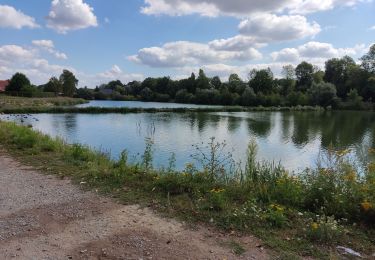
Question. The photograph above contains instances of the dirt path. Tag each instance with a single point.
(42, 217)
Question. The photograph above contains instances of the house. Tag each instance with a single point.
(3, 85)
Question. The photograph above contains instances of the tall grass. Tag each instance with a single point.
(318, 204)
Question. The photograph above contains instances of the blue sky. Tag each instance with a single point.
(129, 40)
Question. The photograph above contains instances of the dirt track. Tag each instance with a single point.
(42, 217)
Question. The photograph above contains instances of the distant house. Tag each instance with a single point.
(3, 85)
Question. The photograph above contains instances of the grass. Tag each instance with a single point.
(295, 215)
(124, 110)
(24, 103)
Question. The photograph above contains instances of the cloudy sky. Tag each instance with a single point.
(131, 39)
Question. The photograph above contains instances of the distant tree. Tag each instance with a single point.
(368, 60)
(69, 83)
(288, 83)
(323, 94)
(202, 81)
(248, 97)
(288, 72)
(337, 73)
(147, 94)
(162, 85)
(85, 93)
(261, 80)
(17, 82)
(53, 85)
(114, 84)
(304, 73)
(216, 82)
(235, 84)
(369, 91)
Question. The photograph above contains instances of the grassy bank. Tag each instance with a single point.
(25, 103)
(123, 110)
(296, 215)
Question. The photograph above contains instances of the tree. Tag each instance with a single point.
(288, 72)
(287, 84)
(202, 81)
(235, 84)
(69, 83)
(337, 73)
(368, 60)
(53, 85)
(304, 74)
(323, 94)
(216, 82)
(261, 80)
(17, 82)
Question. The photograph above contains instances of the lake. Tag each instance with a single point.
(294, 138)
(138, 104)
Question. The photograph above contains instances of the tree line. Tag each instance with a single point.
(342, 84)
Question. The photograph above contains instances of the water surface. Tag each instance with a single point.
(139, 104)
(294, 138)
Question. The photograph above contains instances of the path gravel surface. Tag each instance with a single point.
(43, 217)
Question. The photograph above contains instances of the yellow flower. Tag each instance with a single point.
(277, 207)
(351, 176)
(371, 167)
(156, 178)
(366, 206)
(217, 190)
(342, 152)
(314, 226)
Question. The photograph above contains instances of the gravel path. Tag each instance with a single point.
(42, 217)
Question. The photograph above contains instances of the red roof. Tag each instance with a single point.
(3, 85)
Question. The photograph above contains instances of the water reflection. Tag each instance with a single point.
(294, 138)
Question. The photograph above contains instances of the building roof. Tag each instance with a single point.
(3, 85)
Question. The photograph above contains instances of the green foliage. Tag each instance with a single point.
(324, 229)
(368, 60)
(261, 80)
(54, 85)
(17, 82)
(304, 73)
(263, 197)
(323, 94)
(69, 83)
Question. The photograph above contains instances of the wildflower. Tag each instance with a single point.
(371, 167)
(314, 226)
(217, 190)
(342, 152)
(351, 176)
(371, 150)
(366, 206)
(156, 178)
(277, 207)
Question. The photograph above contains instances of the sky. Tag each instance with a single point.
(103, 40)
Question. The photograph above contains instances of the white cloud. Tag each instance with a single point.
(372, 28)
(49, 46)
(315, 52)
(184, 53)
(115, 73)
(27, 60)
(66, 15)
(272, 28)
(11, 18)
(236, 43)
(44, 44)
(239, 8)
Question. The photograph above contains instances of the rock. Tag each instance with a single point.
(348, 251)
